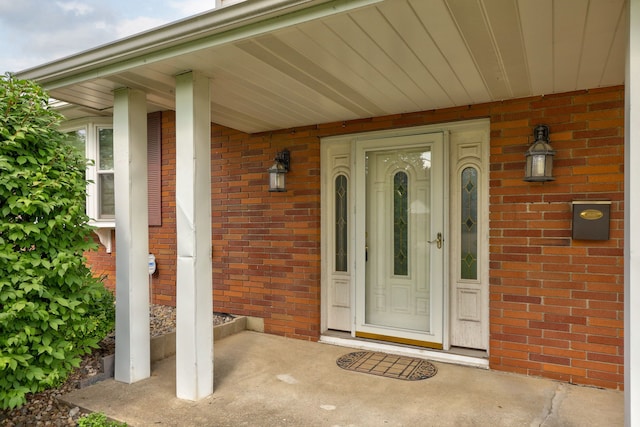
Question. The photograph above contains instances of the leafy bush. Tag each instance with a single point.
(52, 311)
(98, 419)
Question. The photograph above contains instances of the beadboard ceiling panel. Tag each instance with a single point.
(373, 58)
(601, 22)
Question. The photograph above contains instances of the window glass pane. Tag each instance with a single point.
(105, 147)
(400, 224)
(341, 223)
(469, 225)
(106, 192)
(78, 139)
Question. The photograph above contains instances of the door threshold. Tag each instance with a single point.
(456, 356)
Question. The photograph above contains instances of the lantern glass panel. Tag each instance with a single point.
(276, 179)
(538, 167)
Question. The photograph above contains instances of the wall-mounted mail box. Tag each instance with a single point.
(591, 219)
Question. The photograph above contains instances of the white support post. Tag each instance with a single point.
(194, 328)
(631, 222)
(132, 359)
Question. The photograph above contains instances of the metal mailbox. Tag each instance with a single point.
(591, 219)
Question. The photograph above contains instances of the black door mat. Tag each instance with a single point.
(387, 365)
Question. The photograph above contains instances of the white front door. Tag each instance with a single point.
(400, 233)
(405, 235)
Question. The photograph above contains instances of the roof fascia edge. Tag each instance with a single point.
(199, 32)
(157, 38)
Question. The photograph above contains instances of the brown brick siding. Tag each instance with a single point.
(556, 304)
(104, 264)
(266, 246)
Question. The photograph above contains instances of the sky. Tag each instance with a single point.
(34, 32)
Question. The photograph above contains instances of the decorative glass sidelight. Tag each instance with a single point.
(341, 229)
(400, 224)
(469, 224)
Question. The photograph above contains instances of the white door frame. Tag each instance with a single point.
(463, 140)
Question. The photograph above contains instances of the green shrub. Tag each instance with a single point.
(98, 419)
(52, 311)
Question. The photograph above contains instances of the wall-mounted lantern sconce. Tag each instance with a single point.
(539, 166)
(278, 171)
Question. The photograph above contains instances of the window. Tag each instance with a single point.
(94, 137)
(78, 139)
(104, 173)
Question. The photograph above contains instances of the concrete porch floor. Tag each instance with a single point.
(266, 380)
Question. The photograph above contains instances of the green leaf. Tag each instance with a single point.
(55, 323)
(51, 308)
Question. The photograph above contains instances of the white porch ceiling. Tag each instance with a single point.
(386, 57)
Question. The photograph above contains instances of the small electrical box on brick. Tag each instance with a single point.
(591, 219)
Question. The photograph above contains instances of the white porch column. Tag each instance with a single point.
(132, 361)
(632, 222)
(194, 328)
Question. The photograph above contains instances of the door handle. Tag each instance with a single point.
(437, 241)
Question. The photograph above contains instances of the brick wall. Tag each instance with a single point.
(104, 264)
(556, 304)
(266, 246)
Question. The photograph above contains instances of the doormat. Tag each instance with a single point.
(387, 365)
